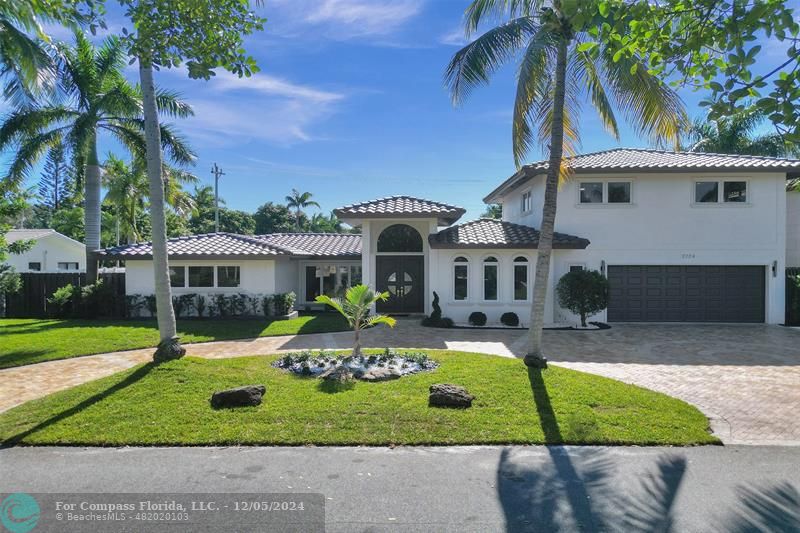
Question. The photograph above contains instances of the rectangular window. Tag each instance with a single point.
(735, 191)
(706, 192)
(67, 266)
(575, 268)
(619, 192)
(355, 275)
(520, 282)
(177, 276)
(527, 202)
(312, 283)
(35, 266)
(201, 276)
(490, 282)
(591, 192)
(460, 279)
(228, 276)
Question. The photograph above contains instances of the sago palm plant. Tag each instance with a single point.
(356, 307)
(564, 60)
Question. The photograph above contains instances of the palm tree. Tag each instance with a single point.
(737, 134)
(299, 201)
(355, 308)
(560, 64)
(96, 98)
(128, 190)
(325, 224)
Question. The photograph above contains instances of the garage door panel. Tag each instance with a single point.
(656, 293)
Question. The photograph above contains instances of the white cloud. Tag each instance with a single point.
(342, 19)
(270, 85)
(454, 38)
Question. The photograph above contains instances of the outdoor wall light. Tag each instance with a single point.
(774, 269)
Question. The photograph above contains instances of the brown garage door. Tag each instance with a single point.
(686, 293)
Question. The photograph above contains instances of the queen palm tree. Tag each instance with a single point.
(561, 62)
(299, 201)
(738, 134)
(95, 98)
(128, 189)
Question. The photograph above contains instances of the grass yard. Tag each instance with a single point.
(27, 341)
(168, 404)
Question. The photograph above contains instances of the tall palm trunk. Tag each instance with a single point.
(169, 346)
(91, 210)
(534, 357)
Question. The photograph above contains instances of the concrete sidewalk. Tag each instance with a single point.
(457, 488)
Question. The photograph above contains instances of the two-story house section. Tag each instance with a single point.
(682, 237)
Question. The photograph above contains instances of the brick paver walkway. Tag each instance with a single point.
(745, 378)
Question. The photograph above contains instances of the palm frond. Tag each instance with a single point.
(29, 121)
(169, 103)
(380, 319)
(474, 64)
(654, 109)
(26, 66)
(585, 67)
(28, 153)
(480, 11)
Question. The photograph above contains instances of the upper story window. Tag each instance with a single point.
(400, 238)
(490, 278)
(721, 191)
(460, 278)
(527, 201)
(605, 192)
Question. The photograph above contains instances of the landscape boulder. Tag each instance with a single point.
(337, 374)
(447, 395)
(238, 397)
(380, 374)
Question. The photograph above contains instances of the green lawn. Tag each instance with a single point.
(168, 404)
(27, 341)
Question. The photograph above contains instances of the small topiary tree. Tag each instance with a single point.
(477, 318)
(584, 292)
(436, 315)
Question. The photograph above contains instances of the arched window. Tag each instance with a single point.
(460, 278)
(399, 238)
(490, 278)
(521, 278)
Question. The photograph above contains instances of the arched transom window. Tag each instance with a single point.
(400, 238)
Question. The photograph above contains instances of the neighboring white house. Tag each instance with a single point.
(682, 237)
(51, 252)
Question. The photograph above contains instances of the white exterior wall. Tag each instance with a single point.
(459, 310)
(49, 251)
(663, 226)
(793, 229)
(256, 277)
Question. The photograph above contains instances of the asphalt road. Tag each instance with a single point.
(457, 488)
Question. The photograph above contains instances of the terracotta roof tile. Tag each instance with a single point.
(316, 244)
(207, 244)
(404, 206)
(492, 233)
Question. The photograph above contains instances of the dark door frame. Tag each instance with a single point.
(402, 265)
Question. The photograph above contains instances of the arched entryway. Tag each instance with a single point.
(400, 263)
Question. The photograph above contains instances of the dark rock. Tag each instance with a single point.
(339, 374)
(380, 374)
(447, 395)
(238, 397)
(169, 349)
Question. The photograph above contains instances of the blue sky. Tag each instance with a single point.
(350, 105)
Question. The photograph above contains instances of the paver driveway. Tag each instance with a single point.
(746, 378)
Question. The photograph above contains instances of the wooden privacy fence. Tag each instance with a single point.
(793, 296)
(31, 300)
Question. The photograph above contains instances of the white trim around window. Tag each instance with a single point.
(489, 262)
(524, 264)
(607, 187)
(461, 263)
(526, 204)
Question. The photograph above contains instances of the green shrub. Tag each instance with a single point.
(201, 306)
(584, 292)
(221, 305)
(435, 320)
(266, 305)
(476, 318)
(436, 315)
(150, 303)
(133, 305)
(509, 319)
(284, 303)
(63, 300)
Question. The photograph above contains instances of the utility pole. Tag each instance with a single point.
(217, 173)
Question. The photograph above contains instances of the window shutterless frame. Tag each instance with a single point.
(720, 191)
(491, 279)
(521, 279)
(604, 192)
(460, 273)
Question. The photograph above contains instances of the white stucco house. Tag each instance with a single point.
(682, 237)
(52, 252)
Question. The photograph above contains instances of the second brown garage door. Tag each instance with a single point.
(686, 293)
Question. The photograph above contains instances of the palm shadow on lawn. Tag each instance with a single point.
(576, 490)
(129, 380)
